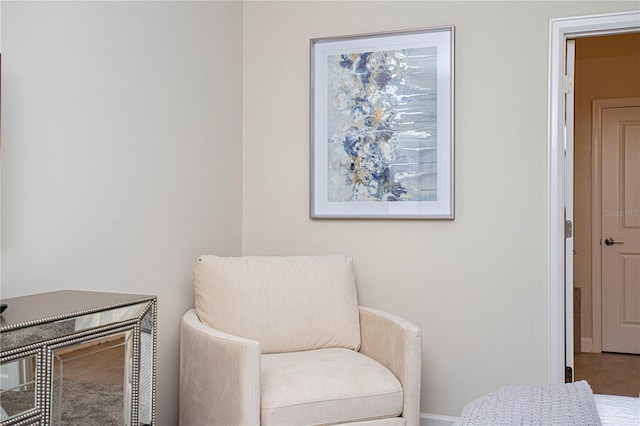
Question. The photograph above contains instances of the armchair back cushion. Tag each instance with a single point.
(288, 304)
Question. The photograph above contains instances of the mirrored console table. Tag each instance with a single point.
(78, 357)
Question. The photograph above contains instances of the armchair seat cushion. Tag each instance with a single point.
(326, 386)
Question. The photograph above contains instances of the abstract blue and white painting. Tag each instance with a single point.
(382, 118)
(382, 125)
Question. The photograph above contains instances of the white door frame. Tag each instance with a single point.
(558, 303)
(596, 212)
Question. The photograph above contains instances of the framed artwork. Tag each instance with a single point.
(382, 125)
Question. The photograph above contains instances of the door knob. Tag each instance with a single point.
(610, 241)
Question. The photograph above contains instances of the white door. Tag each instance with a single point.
(568, 205)
(620, 237)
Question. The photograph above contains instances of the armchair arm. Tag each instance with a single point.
(219, 376)
(395, 343)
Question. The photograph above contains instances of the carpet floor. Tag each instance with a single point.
(84, 403)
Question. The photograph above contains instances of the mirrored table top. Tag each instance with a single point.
(27, 311)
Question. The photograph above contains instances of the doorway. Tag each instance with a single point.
(607, 243)
(560, 181)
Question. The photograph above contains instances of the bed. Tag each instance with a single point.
(567, 404)
(618, 410)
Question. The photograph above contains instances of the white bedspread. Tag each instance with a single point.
(558, 404)
(566, 404)
(618, 410)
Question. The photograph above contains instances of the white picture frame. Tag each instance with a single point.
(382, 126)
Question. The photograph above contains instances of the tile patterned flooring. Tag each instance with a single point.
(609, 373)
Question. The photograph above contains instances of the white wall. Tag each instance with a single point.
(477, 285)
(121, 151)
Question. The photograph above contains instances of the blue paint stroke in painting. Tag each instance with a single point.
(382, 126)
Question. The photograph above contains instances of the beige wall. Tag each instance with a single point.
(121, 152)
(606, 67)
(477, 285)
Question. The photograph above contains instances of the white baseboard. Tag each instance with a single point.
(586, 344)
(427, 419)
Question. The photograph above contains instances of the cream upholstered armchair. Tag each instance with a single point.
(282, 341)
